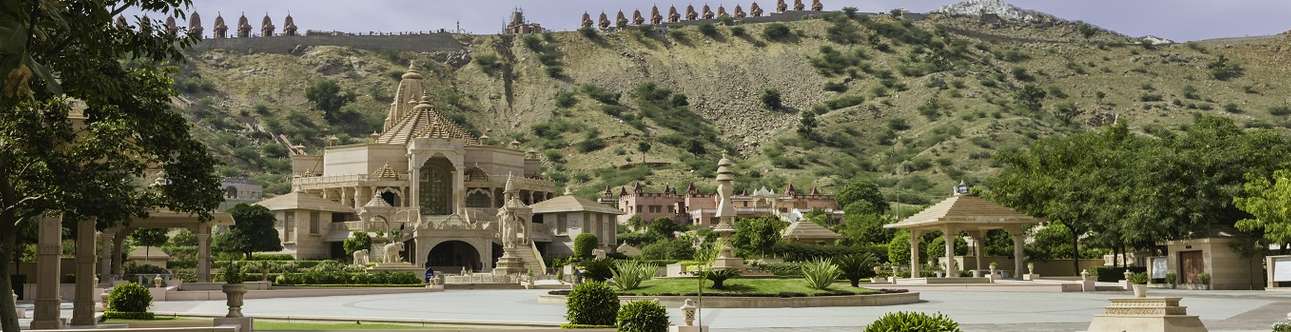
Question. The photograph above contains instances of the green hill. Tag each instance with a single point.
(917, 103)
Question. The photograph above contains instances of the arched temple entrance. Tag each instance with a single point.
(436, 187)
(452, 256)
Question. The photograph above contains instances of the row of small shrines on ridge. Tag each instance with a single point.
(706, 13)
(221, 30)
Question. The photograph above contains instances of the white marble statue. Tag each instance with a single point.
(361, 257)
(392, 252)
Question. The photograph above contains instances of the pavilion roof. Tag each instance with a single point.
(808, 230)
(166, 218)
(571, 203)
(965, 210)
(298, 200)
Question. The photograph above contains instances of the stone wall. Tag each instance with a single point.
(285, 44)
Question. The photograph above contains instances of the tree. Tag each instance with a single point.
(150, 237)
(664, 227)
(1269, 203)
(252, 231)
(357, 241)
(807, 125)
(327, 98)
(130, 130)
(637, 223)
(1030, 97)
(756, 235)
(864, 228)
(862, 190)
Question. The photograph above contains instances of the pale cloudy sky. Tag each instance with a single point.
(1175, 19)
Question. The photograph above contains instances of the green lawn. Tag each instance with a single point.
(738, 286)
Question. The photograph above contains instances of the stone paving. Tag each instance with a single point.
(976, 310)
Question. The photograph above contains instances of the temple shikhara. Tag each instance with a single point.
(434, 193)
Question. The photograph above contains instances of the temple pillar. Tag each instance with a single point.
(1018, 253)
(118, 244)
(977, 250)
(83, 303)
(105, 255)
(203, 233)
(949, 234)
(914, 253)
(347, 197)
(49, 248)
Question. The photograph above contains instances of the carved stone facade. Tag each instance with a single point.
(692, 14)
(694, 207)
(424, 182)
(519, 25)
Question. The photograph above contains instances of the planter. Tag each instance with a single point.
(233, 294)
(1140, 290)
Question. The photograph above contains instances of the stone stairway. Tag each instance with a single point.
(532, 261)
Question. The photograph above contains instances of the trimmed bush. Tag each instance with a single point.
(592, 303)
(233, 273)
(820, 274)
(628, 275)
(913, 322)
(129, 315)
(643, 316)
(129, 298)
(584, 244)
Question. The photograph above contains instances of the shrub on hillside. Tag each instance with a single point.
(772, 100)
(129, 298)
(913, 322)
(643, 316)
(709, 30)
(778, 32)
(592, 303)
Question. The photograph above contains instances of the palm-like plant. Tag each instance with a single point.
(819, 274)
(628, 275)
(857, 266)
(719, 276)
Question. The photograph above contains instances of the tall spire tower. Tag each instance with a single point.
(725, 215)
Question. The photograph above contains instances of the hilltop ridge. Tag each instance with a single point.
(916, 103)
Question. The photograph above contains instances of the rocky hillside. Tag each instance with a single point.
(916, 102)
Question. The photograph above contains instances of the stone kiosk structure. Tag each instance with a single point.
(963, 213)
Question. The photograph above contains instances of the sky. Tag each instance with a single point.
(1180, 20)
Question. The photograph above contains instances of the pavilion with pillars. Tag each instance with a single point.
(964, 214)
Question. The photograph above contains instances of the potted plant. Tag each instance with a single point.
(233, 289)
(1140, 283)
(1172, 279)
(1204, 278)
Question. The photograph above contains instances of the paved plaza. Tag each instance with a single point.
(976, 310)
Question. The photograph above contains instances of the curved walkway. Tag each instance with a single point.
(978, 311)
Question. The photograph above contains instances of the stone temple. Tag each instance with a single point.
(432, 194)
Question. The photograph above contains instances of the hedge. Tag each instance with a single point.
(643, 316)
(129, 298)
(592, 303)
(360, 278)
(797, 252)
(129, 315)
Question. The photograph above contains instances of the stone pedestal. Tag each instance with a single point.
(1030, 277)
(1151, 314)
(687, 329)
(726, 260)
(509, 264)
(244, 324)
